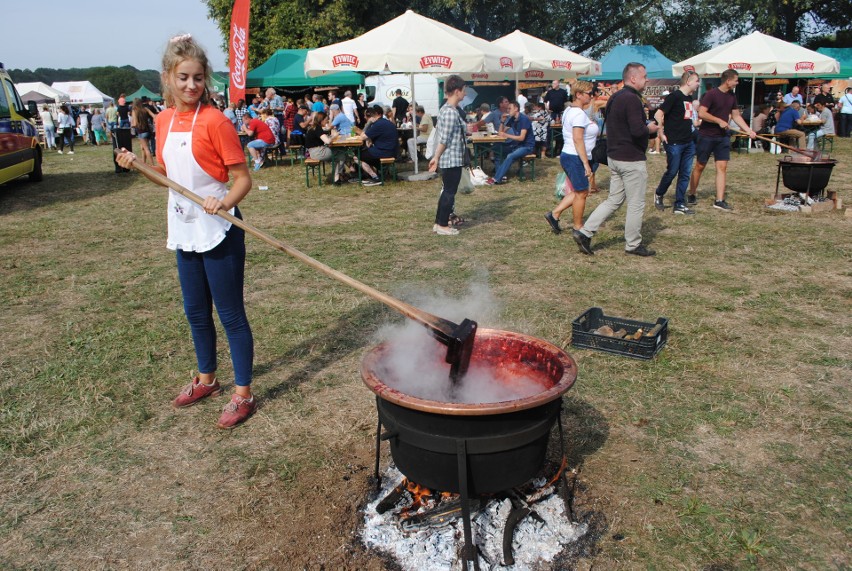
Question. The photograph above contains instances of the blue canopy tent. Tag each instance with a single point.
(657, 65)
(286, 68)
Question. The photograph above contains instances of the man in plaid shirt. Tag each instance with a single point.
(450, 154)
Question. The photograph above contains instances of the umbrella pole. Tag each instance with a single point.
(751, 110)
(414, 123)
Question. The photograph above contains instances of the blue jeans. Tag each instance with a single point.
(518, 153)
(678, 163)
(216, 276)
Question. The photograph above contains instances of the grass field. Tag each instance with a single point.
(729, 450)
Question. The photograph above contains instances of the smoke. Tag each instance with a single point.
(416, 362)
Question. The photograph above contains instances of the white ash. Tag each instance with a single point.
(534, 543)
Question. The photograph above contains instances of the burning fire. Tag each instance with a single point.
(421, 497)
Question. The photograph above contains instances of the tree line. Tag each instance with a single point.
(677, 29)
(109, 79)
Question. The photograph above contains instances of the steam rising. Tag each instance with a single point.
(416, 363)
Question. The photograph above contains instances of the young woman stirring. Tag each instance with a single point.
(201, 151)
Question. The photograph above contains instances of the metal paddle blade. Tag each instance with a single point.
(460, 348)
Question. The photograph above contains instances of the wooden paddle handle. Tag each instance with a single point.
(437, 324)
(768, 140)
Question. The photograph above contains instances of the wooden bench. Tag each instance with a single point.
(826, 143)
(314, 167)
(389, 164)
(295, 154)
(530, 160)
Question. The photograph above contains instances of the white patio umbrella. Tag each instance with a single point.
(543, 60)
(412, 43)
(758, 55)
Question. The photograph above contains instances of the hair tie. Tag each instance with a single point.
(180, 38)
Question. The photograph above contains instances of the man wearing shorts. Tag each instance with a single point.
(718, 106)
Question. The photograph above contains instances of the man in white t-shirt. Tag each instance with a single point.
(522, 100)
(348, 107)
(424, 129)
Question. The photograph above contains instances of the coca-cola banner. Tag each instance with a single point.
(238, 49)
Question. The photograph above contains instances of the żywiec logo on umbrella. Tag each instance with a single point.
(560, 64)
(440, 62)
(533, 73)
(689, 68)
(805, 66)
(344, 60)
(740, 65)
(506, 62)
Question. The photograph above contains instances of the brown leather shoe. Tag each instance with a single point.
(195, 391)
(237, 411)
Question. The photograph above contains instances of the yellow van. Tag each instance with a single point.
(20, 152)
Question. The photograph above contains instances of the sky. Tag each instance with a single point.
(102, 33)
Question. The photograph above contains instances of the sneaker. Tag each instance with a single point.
(554, 223)
(722, 205)
(653, 152)
(658, 202)
(195, 391)
(372, 182)
(641, 250)
(60, 152)
(692, 200)
(236, 411)
(455, 220)
(444, 231)
(70, 152)
(490, 180)
(257, 165)
(584, 242)
(682, 209)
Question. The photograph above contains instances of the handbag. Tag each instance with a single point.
(599, 151)
(465, 184)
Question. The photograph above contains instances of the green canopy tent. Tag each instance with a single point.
(219, 83)
(844, 56)
(144, 92)
(286, 68)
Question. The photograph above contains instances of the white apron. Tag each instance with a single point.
(190, 228)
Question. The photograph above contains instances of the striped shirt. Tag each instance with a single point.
(451, 133)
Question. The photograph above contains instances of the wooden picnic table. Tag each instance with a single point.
(341, 147)
(484, 143)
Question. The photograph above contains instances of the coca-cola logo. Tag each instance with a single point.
(436, 61)
(740, 65)
(506, 62)
(804, 65)
(560, 64)
(239, 46)
(533, 73)
(344, 60)
(689, 68)
(479, 76)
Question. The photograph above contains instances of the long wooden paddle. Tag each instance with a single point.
(457, 337)
(813, 155)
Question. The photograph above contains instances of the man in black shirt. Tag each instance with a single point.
(400, 107)
(627, 141)
(123, 112)
(825, 97)
(674, 118)
(554, 101)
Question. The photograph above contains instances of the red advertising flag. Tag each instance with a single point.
(238, 49)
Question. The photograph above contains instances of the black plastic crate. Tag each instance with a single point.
(583, 335)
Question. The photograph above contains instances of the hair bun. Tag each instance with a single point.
(180, 38)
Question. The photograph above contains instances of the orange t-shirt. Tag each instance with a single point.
(215, 143)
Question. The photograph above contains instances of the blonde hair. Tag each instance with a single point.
(584, 86)
(178, 50)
